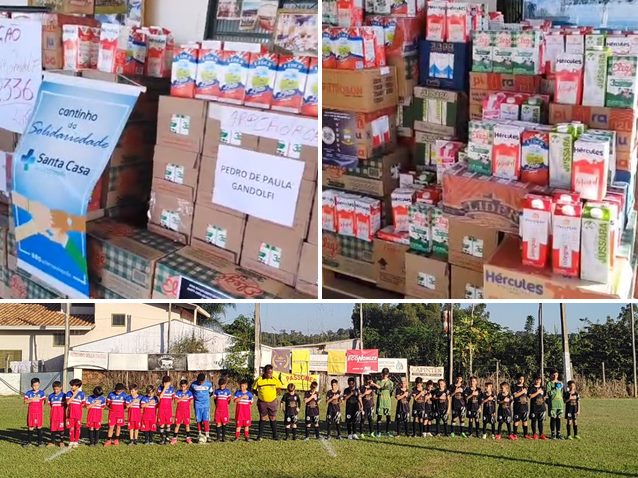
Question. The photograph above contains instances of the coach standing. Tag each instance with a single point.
(266, 388)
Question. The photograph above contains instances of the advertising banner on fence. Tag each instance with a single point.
(426, 373)
(131, 362)
(302, 381)
(394, 365)
(20, 71)
(281, 360)
(319, 363)
(300, 361)
(74, 128)
(205, 361)
(336, 362)
(362, 361)
(88, 360)
(167, 362)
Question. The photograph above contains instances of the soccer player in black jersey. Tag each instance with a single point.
(441, 400)
(538, 408)
(291, 404)
(473, 404)
(353, 408)
(367, 401)
(418, 407)
(571, 398)
(521, 405)
(458, 405)
(402, 395)
(311, 399)
(488, 404)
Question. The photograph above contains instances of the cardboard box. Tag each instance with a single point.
(389, 262)
(348, 137)
(505, 82)
(97, 291)
(506, 278)
(81, 7)
(271, 250)
(470, 245)
(444, 65)
(178, 168)
(122, 258)
(465, 283)
(8, 141)
(487, 201)
(374, 177)
(181, 123)
(407, 66)
(348, 255)
(194, 274)
(307, 276)
(439, 111)
(128, 184)
(426, 277)
(21, 285)
(170, 211)
(359, 91)
(313, 228)
(218, 232)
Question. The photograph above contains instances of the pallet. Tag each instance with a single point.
(337, 285)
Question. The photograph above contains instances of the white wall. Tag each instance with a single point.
(185, 18)
(37, 345)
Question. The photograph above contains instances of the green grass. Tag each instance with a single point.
(609, 448)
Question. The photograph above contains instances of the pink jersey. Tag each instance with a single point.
(149, 410)
(75, 405)
(134, 409)
(242, 407)
(95, 406)
(116, 402)
(58, 409)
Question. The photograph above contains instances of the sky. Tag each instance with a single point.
(315, 318)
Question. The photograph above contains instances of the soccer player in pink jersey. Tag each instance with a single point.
(184, 398)
(57, 402)
(35, 399)
(116, 401)
(222, 399)
(243, 399)
(75, 399)
(95, 405)
(165, 394)
(149, 414)
(133, 406)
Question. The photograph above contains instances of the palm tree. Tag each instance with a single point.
(217, 311)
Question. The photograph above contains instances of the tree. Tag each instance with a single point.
(473, 332)
(238, 360)
(217, 311)
(189, 345)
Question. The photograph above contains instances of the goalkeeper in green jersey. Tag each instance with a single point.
(384, 389)
(554, 392)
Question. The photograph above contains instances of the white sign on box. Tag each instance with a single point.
(20, 71)
(258, 184)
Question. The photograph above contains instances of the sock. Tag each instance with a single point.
(515, 429)
(246, 433)
(307, 431)
(575, 429)
(414, 428)
(427, 427)
(223, 432)
(294, 433)
(405, 427)
(188, 434)
(493, 427)
(175, 435)
(287, 432)
(261, 429)
(97, 436)
(219, 431)
(29, 436)
(445, 428)
(317, 432)
(117, 437)
(509, 428)
(500, 427)
(460, 427)
(557, 426)
(569, 428)
(476, 426)
(398, 425)
(378, 425)
(199, 427)
(328, 422)
(150, 435)
(525, 430)
(552, 424)
(338, 427)
(370, 426)
(436, 430)
(484, 427)
(206, 427)
(273, 429)
(387, 424)
(534, 427)
(39, 436)
(469, 427)
(540, 426)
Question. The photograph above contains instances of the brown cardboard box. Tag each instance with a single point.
(313, 229)
(307, 277)
(348, 256)
(127, 184)
(205, 186)
(507, 278)
(181, 123)
(82, 7)
(8, 141)
(170, 212)
(470, 245)
(218, 232)
(360, 91)
(177, 167)
(407, 65)
(465, 283)
(122, 157)
(389, 263)
(426, 277)
(271, 250)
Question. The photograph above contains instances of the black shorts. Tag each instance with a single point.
(473, 414)
(521, 412)
(352, 414)
(333, 416)
(383, 412)
(402, 416)
(312, 420)
(570, 412)
(504, 416)
(367, 414)
(489, 418)
(537, 414)
(441, 415)
(458, 412)
(290, 419)
(418, 413)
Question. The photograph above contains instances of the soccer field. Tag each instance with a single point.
(609, 448)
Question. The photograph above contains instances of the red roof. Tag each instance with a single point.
(39, 315)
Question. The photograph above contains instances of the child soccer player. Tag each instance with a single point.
(133, 406)
(34, 399)
(521, 405)
(116, 402)
(57, 401)
(504, 400)
(149, 403)
(537, 409)
(473, 403)
(488, 404)
(290, 402)
(202, 390)
(428, 412)
(75, 399)
(458, 405)
(418, 407)
(384, 389)
(183, 397)
(165, 394)
(311, 399)
(367, 402)
(572, 409)
(554, 395)
(243, 401)
(333, 399)
(95, 405)
(222, 399)
(353, 407)
(441, 398)
(402, 395)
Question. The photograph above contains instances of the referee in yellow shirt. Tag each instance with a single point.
(266, 388)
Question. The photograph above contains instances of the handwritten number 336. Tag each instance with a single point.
(13, 89)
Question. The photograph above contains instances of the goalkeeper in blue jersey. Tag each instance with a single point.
(202, 389)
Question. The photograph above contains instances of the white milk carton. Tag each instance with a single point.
(590, 168)
(569, 75)
(506, 151)
(596, 242)
(561, 151)
(622, 82)
(618, 44)
(595, 77)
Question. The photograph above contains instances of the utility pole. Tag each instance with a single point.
(257, 339)
(451, 345)
(471, 347)
(604, 378)
(361, 326)
(633, 349)
(541, 333)
(168, 341)
(496, 385)
(567, 364)
(67, 337)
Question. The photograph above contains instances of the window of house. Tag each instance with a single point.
(58, 339)
(118, 320)
(7, 356)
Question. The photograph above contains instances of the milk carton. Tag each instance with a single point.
(368, 218)
(535, 157)
(457, 22)
(610, 137)
(402, 199)
(535, 229)
(355, 49)
(345, 205)
(440, 231)
(436, 21)
(479, 148)
(569, 75)
(506, 151)
(420, 227)
(595, 77)
(210, 68)
(532, 110)
(77, 46)
(290, 83)
(184, 71)
(160, 53)
(232, 84)
(554, 46)
(594, 40)
(445, 155)
(621, 82)
(502, 59)
(95, 47)
(328, 57)
(260, 82)
(482, 45)
(566, 222)
(113, 40)
(596, 242)
(561, 150)
(329, 210)
(618, 44)
(575, 43)
(309, 106)
(589, 169)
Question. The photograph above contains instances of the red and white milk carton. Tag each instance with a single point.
(232, 81)
(184, 70)
(566, 222)
(436, 21)
(368, 218)
(329, 210)
(113, 41)
(260, 83)
(310, 105)
(346, 216)
(77, 41)
(590, 168)
(506, 151)
(402, 199)
(458, 22)
(535, 230)
(568, 87)
(159, 59)
(290, 83)
(208, 70)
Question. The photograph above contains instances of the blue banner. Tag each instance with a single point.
(75, 126)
